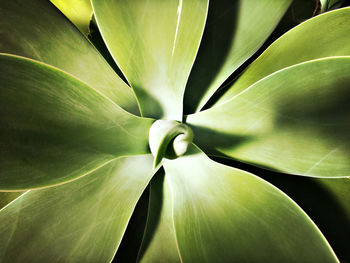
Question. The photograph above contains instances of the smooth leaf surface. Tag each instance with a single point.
(234, 31)
(54, 128)
(224, 214)
(154, 44)
(159, 243)
(8, 197)
(77, 11)
(294, 121)
(37, 30)
(322, 36)
(82, 221)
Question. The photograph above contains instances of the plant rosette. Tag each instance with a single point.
(79, 146)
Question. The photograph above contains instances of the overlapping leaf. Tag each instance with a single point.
(37, 30)
(154, 43)
(295, 121)
(55, 128)
(234, 31)
(78, 11)
(8, 197)
(159, 241)
(323, 36)
(223, 214)
(82, 221)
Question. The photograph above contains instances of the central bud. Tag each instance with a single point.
(169, 139)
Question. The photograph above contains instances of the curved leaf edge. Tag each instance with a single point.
(302, 212)
(8, 204)
(34, 61)
(155, 170)
(115, 60)
(223, 85)
(271, 75)
(139, 256)
(268, 169)
(332, 12)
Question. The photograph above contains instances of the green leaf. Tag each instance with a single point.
(294, 121)
(223, 214)
(54, 128)
(235, 30)
(82, 221)
(8, 197)
(38, 31)
(159, 241)
(319, 37)
(154, 44)
(78, 12)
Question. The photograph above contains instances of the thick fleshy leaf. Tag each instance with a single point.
(39, 31)
(294, 121)
(78, 11)
(55, 128)
(81, 221)
(235, 30)
(154, 43)
(159, 241)
(223, 214)
(323, 36)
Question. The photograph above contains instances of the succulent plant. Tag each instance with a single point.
(79, 146)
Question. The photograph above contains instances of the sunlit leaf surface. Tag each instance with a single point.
(37, 30)
(223, 214)
(77, 11)
(234, 31)
(82, 221)
(154, 43)
(55, 128)
(295, 121)
(83, 163)
(323, 36)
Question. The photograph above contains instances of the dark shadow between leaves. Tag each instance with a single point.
(210, 140)
(151, 107)
(96, 39)
(131, 242)
(154, 211)
(299, 11)
(216, 42)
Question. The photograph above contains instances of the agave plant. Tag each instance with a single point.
(79, 146)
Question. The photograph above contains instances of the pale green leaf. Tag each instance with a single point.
(323, 36)
(54, 128)
(223, 214)
(294, 121)
(235, 30)
(37, 30)
(159, 242)
(81, 221)
(154, 44)
(78, 11)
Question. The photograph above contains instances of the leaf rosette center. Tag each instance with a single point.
(169, 139)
